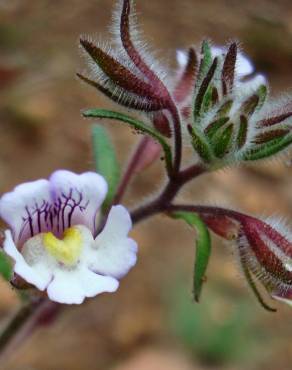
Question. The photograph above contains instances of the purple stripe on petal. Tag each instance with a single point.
(66, 199)
(24, 209)
(77, 198)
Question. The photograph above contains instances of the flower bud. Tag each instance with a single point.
(266, 250)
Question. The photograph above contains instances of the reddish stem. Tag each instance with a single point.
(130, 171)
(171, 189)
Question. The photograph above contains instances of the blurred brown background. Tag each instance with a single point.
(151, 323)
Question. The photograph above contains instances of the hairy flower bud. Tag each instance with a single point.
(230, 120)
(266, 250)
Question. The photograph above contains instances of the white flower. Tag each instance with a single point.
(53, 238)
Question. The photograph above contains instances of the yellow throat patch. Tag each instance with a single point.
(66, 251)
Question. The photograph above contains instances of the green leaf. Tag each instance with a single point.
(5, 266)
(106, 162)
(203, 248)
(137, 125)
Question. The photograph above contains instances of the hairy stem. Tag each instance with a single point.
(205, 210)
(162, 202)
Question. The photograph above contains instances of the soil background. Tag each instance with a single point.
(151, 322)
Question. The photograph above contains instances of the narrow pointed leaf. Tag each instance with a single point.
(106, 162)
(136, 125)
(203, 249)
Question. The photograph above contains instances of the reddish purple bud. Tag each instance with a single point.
(127, 100)
(120, 75)
(134, 54)
(223, 226)
(266, 248)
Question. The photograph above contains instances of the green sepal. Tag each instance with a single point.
(202, 96)
(138, 126)
(255, 101)
(222, 142)
(214, 126)
(203, 249)
(268, 149)
(200, 145)
(262, 92)
(106, 163)
(207, 59)
(224, 109)
(242, 132)
(5, 266)
(207, 100)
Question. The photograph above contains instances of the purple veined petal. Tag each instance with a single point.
(23, 209)
(114, 253)
(77, 198)
(73, 286)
